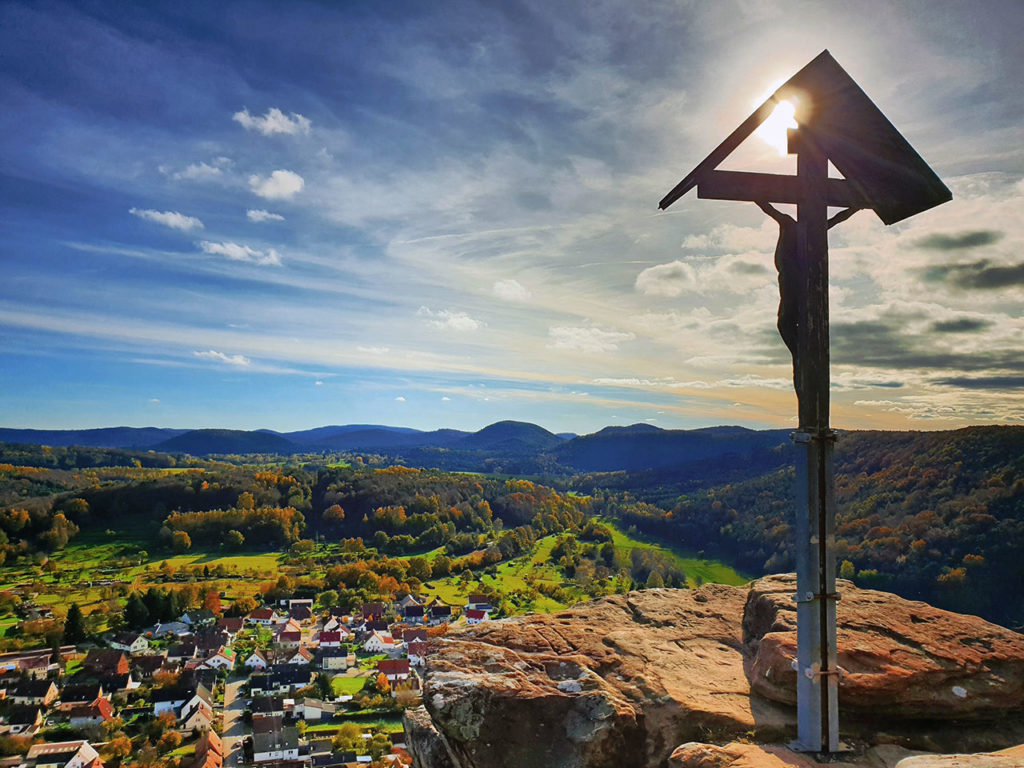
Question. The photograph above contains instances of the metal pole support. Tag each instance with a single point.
(816, 596)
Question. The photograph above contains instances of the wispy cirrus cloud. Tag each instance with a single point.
(274, 121)
(279, 185)
(259, 215)
(171, 219)
(236, 252)
(211, 354)
(586, 339)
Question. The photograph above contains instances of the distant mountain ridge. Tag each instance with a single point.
(503, 446)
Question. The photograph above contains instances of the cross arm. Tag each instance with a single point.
(768, 187)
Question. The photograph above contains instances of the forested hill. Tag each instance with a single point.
(936, 516)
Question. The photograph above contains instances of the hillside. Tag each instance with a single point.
(203, 442)
(937, 516)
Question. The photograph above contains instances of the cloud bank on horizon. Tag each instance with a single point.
(433, 215)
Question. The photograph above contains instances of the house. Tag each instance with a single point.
(132, 642)
(300, 602)
(406, 601)
(301, 656)
(314, 709)
(301, 614)
(478, 600)
(74, 694)
(376, 625)
(182, 651)
(62, 754)
(288, 677)
(144, 667)
(266, 706)
(413, 614)
(118, 683)
(197, 716)
(232, 625)
(210, 639)
(270, 723)
(413, 635)
(394, 669)
(198, 617)
(333, 623)
(106, 661)
(224, 658)
(439, 613)
(335, 659)
(373, 610)
(417, 650)
(90, 715)
(256, 660)
(264, 617)
(209, 751)
(287, 639)
(331, 639)
(21, 720)
(179, 699)
(282, 744)
(475, 616)
(169, 629)
(34, 692)
(379, 642)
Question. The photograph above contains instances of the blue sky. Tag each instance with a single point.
(281, 215)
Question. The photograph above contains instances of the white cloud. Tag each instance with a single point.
(171, 219)
(279, 185)
(450, 319)
(446, 399)
(399, 399)
(585, 339)
(211, 354)
(667, 279)
(203, 171)
(511, 290)
(236, 252)
(318, 383)
(261, 215)
(275, 121)
(154, 400)
(374, 350)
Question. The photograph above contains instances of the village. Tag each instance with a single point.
(289, 685)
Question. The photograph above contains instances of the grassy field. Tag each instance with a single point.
(694, 567)
(347, 686)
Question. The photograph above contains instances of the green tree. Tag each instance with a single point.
(380, 745)
(234, 539)
(136, 614)
(419, 567)
(74, 625)
(846, 570)
(655, 581)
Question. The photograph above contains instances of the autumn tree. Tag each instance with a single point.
(334, 515)
(181, 542)
(212, 601)
(234, 539)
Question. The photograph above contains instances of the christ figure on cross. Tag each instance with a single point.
(793, 280)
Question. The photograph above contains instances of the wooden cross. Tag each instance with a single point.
(836, 122)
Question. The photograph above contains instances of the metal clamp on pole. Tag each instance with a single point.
(815, 672)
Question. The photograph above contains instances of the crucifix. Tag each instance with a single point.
(837, 123)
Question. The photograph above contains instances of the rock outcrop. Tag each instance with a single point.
(625, 679)
(738, 755)
(899, 658)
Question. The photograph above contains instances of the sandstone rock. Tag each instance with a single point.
(623, 680)
(987, 760)
(900, 658)
(618, 681)
(425, 744)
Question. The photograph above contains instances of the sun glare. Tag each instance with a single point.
(773, 130)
